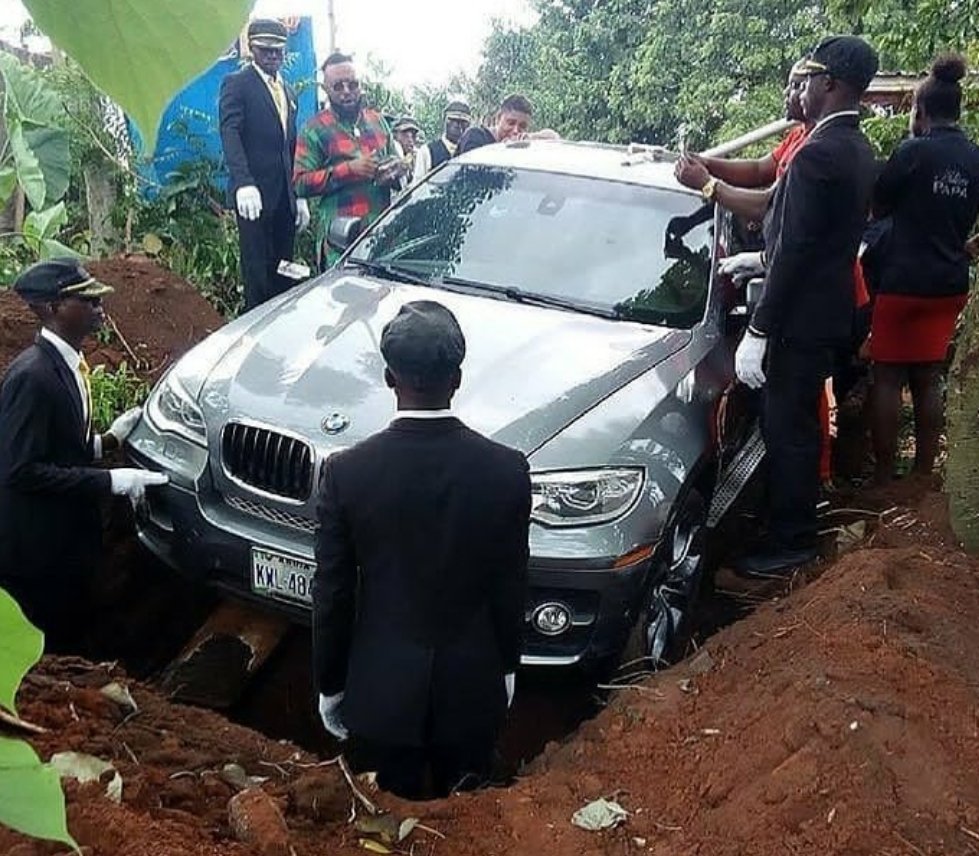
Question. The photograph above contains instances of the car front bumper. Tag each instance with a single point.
(211, 543)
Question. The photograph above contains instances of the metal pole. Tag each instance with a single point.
(331, 28)
(752, 137)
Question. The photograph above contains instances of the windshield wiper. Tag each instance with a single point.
(386, 270)
(533, 298)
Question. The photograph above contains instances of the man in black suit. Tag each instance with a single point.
(458, 118)
(812, 233)
(421, 555)
(257, 112)
(50, 523)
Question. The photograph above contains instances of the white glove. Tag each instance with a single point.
(131, 482)
(742, 266)
(302, 214)
(122, 427)
(249, 202)
(749, 358)
(330, 714)
(510, 682)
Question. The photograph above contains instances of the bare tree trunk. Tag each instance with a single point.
(962, 409)
(100, 198)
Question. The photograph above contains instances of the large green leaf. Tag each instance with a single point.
(50, 147)
(29, 174)
(39, 225)
(8, 183)
(21, 646)
(31, 799)
(52, 249)
(141, 52)
(28, 95)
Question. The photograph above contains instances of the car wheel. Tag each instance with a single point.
(662, 631)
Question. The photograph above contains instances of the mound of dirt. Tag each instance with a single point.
(840, 717)
(157, 317)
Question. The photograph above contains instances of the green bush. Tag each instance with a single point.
(114, 393)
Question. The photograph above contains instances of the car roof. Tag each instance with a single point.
(591, 160)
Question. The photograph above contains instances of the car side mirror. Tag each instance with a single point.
(343, 232)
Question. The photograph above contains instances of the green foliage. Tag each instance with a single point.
(36, 154)
(114, 393)
(649, 70)
(40, 228)
(31, 800)
(21, 646)
(154, 48)
(197, 238)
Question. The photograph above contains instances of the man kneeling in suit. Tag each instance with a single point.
(421, 567)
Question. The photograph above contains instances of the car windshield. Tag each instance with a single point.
(622, 250)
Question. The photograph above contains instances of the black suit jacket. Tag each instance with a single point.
(812, 234)
(256, 149)
(418, 596)
(50, 521)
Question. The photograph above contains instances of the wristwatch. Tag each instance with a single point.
(708, 190)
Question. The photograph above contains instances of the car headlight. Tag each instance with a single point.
(171, 408)
(584, 497)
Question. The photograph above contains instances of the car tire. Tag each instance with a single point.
(662, 631)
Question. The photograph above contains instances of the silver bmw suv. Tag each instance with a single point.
(600, 344)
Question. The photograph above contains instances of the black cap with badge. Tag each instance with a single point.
(58, 279)
(458, 110)
(423, 344)
(847, 58)
(406, 123)
(267, 33)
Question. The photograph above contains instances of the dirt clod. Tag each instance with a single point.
(256, 820)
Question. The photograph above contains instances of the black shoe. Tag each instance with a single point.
(773, 562)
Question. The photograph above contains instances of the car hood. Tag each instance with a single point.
(529, 371)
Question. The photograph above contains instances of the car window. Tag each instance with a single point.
(639, 251)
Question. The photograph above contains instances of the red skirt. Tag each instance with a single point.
(908, 329)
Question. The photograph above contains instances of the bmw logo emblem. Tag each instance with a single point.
(335, 423)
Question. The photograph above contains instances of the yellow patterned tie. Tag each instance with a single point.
(279, 96)
(86, 374)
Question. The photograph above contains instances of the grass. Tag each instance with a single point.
(114, 392)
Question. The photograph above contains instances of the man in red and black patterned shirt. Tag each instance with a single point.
(346, 163)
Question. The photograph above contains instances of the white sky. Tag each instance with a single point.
(420, 41)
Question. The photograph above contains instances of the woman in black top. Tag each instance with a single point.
(930, 189)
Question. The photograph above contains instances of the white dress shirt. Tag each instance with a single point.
(423, 414)
(271, 83)
(833, 116)
(423, 159)
(73, 360)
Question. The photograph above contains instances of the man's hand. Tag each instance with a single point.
(390, 172)
(132, 483)
(249, 202)
(302, 214)
(330, 714)
(749, 358)
(122, 427)
(363, 168)
(691, 172)
(510, 682)
(742, 266)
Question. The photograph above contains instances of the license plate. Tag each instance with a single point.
(280, 576)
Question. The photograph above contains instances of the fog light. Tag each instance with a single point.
(552, 619)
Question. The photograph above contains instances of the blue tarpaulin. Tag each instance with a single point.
(189, 129)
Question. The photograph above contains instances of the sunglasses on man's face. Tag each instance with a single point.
(339, 86)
